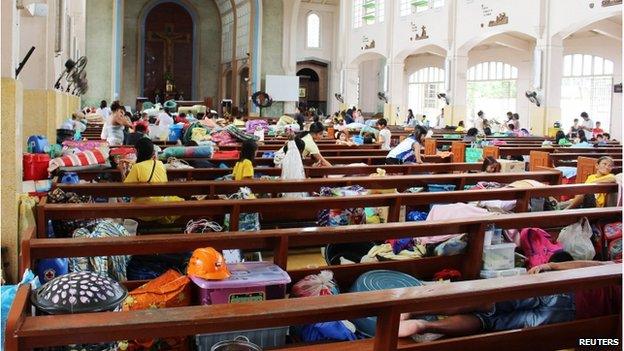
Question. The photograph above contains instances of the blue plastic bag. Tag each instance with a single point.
(8, 295)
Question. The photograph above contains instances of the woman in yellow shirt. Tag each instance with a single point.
(148, 169)
(603, 175)
(244, 167)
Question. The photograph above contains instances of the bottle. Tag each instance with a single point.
(50, 229)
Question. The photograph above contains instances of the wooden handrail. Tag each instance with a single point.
(386, 305)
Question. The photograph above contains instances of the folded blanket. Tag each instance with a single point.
(85, 158)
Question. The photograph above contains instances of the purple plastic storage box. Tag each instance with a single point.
(249, 281)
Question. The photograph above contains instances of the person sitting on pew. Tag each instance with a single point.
(140, 131)
(243, 169)
(471, 135)
(524, 313)
(603, 175)
(511, 130)
(311, 149)
(600, 140)
(408, 150)
(384, 134)
(606, 136)
(560, 139)
(343, 139)
(460, 127)
(490, 165)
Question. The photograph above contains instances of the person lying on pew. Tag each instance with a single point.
(243, 169)
(603, 175)
(408, 150)
(490, 165)
(524, 313)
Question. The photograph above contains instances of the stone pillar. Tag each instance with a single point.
(100, 41)
(457, 110)
(544, 117)
(11, 153)
(398, 107)
(350, 93)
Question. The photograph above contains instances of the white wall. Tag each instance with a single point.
(328, 33)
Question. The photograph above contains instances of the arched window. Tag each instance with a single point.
(313, 31)
(586, 86)
(423, 87)
(492, 88)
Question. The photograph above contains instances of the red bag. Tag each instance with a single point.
(225, 155)
(607, 241)
(35, 166)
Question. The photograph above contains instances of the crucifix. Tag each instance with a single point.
(169, 39)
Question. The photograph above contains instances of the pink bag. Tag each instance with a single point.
(537, 246)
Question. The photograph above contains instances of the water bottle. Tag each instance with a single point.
(50, 229)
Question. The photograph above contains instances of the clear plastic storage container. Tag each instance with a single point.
(498, 257)
(486, 274)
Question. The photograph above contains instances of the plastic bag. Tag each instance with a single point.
(8, 293)
(316, 285)
(576, 239)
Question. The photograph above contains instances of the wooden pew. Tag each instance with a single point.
(551, 160)
(214, 188)
(300, 209)
(25, 331)
(311, 172)
(505, 151)
(334, 160)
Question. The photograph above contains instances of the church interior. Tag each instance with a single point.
(311, 175)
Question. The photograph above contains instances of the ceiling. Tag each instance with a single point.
(606, 28)
(322, 2)
(512, 40)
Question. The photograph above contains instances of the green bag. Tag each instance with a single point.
(474, 155)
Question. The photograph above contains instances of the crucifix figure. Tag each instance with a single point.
(169, 39)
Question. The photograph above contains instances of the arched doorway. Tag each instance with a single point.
(228, 93)
(308, 88)
(313, 84)
(243, 96)
(168, 56)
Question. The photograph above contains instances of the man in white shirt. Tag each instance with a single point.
(164, 120)
(106, 113)
(384, 134)
(587, 125)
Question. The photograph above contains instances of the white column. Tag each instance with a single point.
(544, 116)
(350, 93)
(289, 45)
(10, 38)
(398, 106)
(457, 110)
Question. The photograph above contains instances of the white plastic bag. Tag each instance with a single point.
(316, 285)
(576, 239)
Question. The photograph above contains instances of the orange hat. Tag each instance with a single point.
(207, 263)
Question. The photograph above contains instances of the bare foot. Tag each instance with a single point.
(405, 316)
(411, 327)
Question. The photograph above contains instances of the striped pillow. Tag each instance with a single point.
(85, 158)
